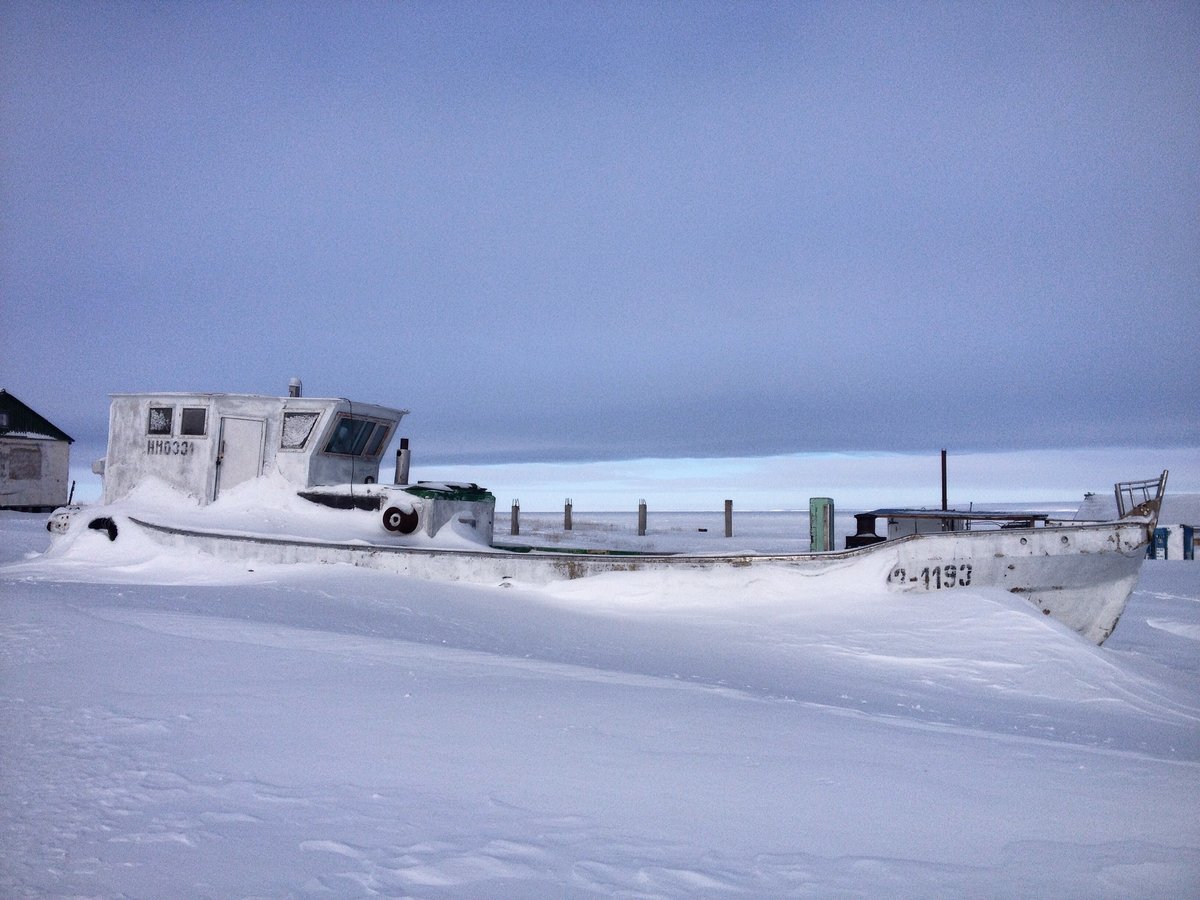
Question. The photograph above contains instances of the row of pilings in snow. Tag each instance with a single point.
(568, 506)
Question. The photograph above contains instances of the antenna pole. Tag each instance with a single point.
(945, 499)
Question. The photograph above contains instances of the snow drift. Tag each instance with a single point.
(175, 727)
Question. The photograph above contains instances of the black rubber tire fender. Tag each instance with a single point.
(104, 523)
(400, 520)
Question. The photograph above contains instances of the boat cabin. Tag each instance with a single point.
(204, 444)
(901, 522)
(904, 522)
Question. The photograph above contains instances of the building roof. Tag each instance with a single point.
(18, 420)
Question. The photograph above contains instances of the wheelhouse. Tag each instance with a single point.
(204, 444)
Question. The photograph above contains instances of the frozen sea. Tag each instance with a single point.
(171, 726)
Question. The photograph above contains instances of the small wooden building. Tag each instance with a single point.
(34, 459)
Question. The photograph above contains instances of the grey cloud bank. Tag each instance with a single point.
(613, 231)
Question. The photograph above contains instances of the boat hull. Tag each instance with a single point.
(1081, 575)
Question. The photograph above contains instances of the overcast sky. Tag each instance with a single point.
(595, 231)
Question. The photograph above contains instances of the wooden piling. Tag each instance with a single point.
(728, 518)
(567, 514)
(515, 526)
(641, 518)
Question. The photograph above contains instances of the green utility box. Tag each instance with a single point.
(820, 524)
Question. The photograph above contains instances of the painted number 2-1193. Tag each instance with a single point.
(935, 578)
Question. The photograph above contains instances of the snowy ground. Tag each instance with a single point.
(171, 727)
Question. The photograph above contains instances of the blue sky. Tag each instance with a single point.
(580, 232)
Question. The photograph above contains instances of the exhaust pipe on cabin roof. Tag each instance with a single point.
(402, 462)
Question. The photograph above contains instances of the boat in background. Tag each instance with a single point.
(296, 479)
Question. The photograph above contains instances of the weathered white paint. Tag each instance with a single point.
(240, 452)
(191, 463)
(33, 471)
(1176, 548)
(1081, 575)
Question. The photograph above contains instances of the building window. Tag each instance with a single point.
(25, 464)
(160, 420)
(194, 420)
(297, 426)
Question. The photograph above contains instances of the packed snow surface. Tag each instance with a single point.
(171, 726)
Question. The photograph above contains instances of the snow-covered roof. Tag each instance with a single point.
(19, 420)
(370, 408)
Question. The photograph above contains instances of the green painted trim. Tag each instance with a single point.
(471, 493)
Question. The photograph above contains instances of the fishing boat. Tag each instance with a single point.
(296, 479)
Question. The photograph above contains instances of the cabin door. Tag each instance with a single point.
(240, 454)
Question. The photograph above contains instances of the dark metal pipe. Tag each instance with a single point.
(403, 461)
(945, 498)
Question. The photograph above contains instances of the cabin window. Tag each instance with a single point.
(160, 420)
(352, 435)
(297, 426)
(374, 446)
(194, 420)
